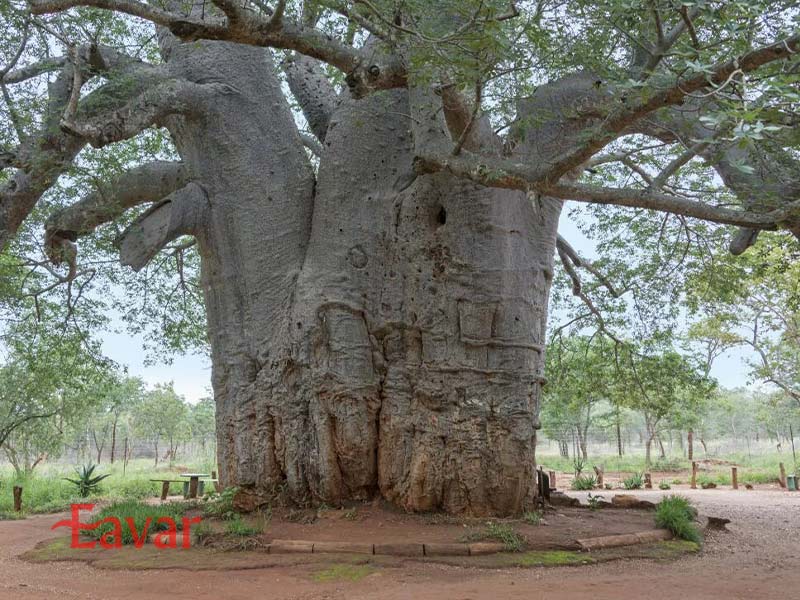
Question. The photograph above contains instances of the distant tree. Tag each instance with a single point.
(202, 421)
(664, 387)
(579, 373)
(162, 415)
(44, 384)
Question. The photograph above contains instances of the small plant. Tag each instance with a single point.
(664, 486)
(594, 501)
(676, 481)
(677, 514)
(583, 482)
(221, 506)
(87, 482)
(634, 482)
(239, 527)
(501, 532)
(578, 464)
(608, 486)
(532, 517)
(350, 515)
(202, 532)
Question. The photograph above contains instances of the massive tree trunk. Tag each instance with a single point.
(389, 343)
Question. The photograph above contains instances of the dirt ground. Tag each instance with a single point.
(758, 559)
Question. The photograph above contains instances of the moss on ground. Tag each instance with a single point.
(343, 572)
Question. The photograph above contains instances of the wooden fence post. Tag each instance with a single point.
(552, 480)
(694, 475)
(648, 481)
(599, 472)
(783, 475)
(17, 498)
(735, 478)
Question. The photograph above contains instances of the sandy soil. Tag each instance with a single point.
(758, 559)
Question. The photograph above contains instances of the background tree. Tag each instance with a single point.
(162, 416)
(377, 314)
(663, 387)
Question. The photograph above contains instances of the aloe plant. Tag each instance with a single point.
(87, 482)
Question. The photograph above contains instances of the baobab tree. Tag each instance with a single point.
(376, 285)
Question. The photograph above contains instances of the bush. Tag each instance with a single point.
(139, 512)
(583, 482)
(634, 482)
(87, 482)
(677, 514)
(664, 486)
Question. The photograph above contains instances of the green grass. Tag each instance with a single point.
(45, 491)
(139, 512)
(677, 514)
(237, 526)
(500, 532)
(551, 558)
(532, 517)
(343, 572)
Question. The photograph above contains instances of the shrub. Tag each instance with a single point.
(221, 505)
(664, 486)
(677, 514)
(583, 482)
(594, 501)
(578, 464)
(634, 482)
(139, 512)
(87, 482)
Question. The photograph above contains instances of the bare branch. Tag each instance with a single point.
(147, 183)
(511, 175)
(314, 92)
(174, 96)
(364, 72)
(182, 213)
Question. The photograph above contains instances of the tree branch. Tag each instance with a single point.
(182, 213)
(364, 72)
(312, 90)
(147, 183)
(512, 175)
(620, 119)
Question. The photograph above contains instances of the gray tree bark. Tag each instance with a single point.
(378, 333)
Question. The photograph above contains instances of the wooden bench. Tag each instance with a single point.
(187, 489)
(165, 485)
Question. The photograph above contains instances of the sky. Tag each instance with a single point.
(191, 374)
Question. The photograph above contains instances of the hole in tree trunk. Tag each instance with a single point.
(441, 217)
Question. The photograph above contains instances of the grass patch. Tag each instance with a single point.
(139, 512)
(677, 514)
(239, 527)
(343, 572)
(551, 558)
(499, 532)
(532, 517)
